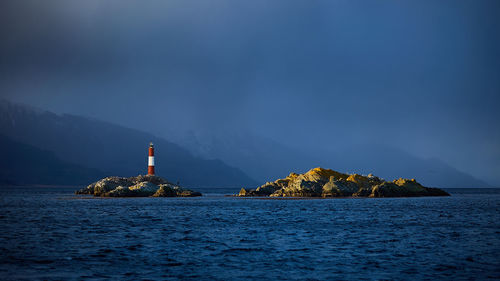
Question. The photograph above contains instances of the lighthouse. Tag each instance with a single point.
(151, 160)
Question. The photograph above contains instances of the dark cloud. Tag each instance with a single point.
(418, 75)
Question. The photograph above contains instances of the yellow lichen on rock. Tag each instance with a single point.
(243, 192)
(409, 184)
(361, 181)
(322, 174)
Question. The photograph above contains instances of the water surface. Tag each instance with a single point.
(48, 233)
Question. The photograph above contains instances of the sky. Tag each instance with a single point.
(423, 76)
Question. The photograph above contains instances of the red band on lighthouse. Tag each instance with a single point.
(151, 160)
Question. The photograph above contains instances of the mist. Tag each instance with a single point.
(419, 76)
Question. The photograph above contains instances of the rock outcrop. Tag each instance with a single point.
(140, 186)
(320, 182)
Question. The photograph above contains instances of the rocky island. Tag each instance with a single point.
(140, 186)
(320, 182)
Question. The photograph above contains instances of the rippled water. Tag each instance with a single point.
(47, 233)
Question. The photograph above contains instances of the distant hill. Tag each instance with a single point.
(112, 149)
(261, 158)
(25, 164)
(120, 151)
(392, 163)
(265, 160)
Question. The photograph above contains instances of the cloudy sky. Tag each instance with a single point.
(423, 76)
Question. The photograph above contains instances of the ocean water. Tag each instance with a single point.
(51, 234)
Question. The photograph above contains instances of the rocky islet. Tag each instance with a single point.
(319, 182)
(140, 186)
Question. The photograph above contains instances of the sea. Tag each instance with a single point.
(48, 233)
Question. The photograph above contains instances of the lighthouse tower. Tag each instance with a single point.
(151, 160)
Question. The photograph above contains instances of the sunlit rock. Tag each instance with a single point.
(320, 182)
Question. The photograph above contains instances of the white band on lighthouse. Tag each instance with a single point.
(151, 161)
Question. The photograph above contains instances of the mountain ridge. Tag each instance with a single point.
(26, 164)
(111, 148)
(248, 152)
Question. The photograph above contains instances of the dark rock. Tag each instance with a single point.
(338, 188)
(169, 190)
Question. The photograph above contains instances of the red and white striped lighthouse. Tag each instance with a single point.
(151, 160)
